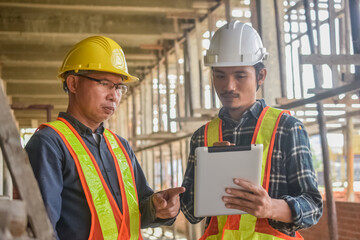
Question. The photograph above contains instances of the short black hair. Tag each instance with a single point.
(72, 72)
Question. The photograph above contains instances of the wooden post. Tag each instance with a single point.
(153, 164)
(350, 160)
(22, 174)
(177, 67)
(152, 100)
(211, 28)
(134, 117)
(158, 97)
(198, 34)
(166, 63)
(161, 168)
(1, 174)
(331, 19)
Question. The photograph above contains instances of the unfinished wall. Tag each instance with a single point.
(348, 215)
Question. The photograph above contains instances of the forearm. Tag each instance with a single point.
(280, 211)
(148, 215)
(306, 209)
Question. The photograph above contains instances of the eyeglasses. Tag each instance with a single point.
(109, 85)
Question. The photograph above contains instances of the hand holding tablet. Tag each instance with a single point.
(215, 170)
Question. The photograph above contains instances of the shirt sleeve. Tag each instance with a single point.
(304, 198)
(46, 160)
(144, 191)
(187, 198)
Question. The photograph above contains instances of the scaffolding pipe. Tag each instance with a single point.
(355, 23)
(332, 221)
(47, 107)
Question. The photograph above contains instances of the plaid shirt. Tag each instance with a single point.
(292, 176)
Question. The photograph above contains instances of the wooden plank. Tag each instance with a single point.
(318, 59)
(22, 174)
(13, 219)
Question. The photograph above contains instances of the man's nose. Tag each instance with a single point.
(115, 95)
(230, 83)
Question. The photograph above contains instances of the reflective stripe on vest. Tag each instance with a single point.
(246, 226)
(107, 222)
(124, 165)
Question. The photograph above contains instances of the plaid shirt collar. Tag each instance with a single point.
(254, 111)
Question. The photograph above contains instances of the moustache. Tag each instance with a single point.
(229, 94)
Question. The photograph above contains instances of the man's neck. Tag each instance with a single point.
(83, 120)
(236, 113)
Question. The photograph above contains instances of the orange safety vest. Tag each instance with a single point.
(107, 222)
(246, 226)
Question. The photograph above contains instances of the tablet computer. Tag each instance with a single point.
(215, 169)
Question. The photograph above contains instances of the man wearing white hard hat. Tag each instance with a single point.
(91, 182)
(288, 199)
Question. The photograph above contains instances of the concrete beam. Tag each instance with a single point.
(124, 39)
(155, 7)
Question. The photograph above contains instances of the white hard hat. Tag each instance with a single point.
(235, 44)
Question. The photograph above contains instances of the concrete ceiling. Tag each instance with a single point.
(36, 34)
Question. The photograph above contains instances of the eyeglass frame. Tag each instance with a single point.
(123, 89)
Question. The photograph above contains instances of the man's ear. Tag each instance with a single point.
(72, 83)
(261, 76)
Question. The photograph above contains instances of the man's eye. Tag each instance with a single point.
(240, 76)
(105, 83)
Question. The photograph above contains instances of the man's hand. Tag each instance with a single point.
(167, 202)
(256, 201)
(224, 143)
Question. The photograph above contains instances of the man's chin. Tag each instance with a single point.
(232, 107)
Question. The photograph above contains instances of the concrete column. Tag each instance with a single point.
(267, 30)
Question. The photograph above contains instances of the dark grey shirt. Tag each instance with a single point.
(60, 186)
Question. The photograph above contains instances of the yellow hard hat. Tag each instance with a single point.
(96, 53)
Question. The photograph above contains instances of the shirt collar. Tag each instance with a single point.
(79, 127)
(254, 111)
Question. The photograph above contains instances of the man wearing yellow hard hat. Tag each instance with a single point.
(91, 182)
